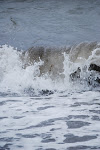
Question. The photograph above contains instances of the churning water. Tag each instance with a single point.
(50, 83)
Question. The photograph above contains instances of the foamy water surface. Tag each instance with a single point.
(49, 95)
(41, 107)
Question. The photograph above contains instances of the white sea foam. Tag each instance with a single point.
(20, 72)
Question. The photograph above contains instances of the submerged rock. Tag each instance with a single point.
(75, 75)
(94, 67)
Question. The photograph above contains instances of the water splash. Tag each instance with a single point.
(47, 69)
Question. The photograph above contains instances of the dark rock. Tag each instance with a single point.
(75, 75)
(97, 80)
(94, 67)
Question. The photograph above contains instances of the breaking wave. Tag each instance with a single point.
(48, 70)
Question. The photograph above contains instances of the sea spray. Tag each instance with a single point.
(48, 69)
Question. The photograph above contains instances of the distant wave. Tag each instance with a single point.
(49, 69)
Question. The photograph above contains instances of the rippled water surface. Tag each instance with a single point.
(25, 23)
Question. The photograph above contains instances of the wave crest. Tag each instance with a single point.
(51, 69)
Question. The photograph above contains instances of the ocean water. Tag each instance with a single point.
(26, 23)
(49, 75)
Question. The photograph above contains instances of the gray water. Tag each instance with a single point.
(41, 108)
(25, 23)
(64, 122)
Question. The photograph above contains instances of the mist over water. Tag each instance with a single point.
(49, 75)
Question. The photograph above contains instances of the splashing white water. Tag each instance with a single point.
(16, 78)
